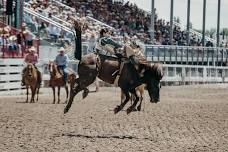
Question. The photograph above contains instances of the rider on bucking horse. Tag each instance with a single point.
(31, 57)
(128, 49)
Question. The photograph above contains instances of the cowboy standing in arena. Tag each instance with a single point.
(31, 57)
(62, 60)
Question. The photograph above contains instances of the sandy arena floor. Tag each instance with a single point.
(188, 118)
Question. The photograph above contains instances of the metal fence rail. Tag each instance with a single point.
(188, 55)
(194, 73)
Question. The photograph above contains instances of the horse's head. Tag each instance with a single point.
(71, 79)
(29, 70)
(151, 77)
(52, 67)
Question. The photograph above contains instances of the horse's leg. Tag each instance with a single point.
(58, 94)
(121, 106)
(27, 88)
(132, 98)
(37, 92)
(132, 107)
(80, 84)
(67, 92)
(73, 93)
(85, 93)
(53, 88)
(33, 94)
(139, 94)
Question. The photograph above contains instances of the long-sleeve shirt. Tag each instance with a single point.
(61, 60)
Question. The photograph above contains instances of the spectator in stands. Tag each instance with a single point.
(31, 57)
(92, 42)
(28, 37)
(209, 44)
(13, 46)
(62, 61)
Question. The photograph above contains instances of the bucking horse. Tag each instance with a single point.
(109, 69)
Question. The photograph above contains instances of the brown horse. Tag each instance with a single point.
(105, 68)
(56, 80)
(31, 81)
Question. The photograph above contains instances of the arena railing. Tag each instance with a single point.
(88, 17)
(50, 21)
(214, 56)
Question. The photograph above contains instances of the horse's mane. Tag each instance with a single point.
(153, 67)
(54, 66)
(33, 68)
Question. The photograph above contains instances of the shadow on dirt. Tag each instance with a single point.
(99, 136)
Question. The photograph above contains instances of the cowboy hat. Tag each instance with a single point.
(13, 38)
(23, 24)
(6, 29)
(26, 31)
(32, 49)
(61, 49)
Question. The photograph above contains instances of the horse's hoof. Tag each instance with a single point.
(139, 108)
(85, 94)
(117, 109)
(66, 110)
(129, 110)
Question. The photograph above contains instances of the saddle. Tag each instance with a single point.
(122, 61)
(60, 73)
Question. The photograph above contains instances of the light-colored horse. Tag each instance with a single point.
(56, 80)
(30, 75)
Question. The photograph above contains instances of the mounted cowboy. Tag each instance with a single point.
(31, 57)
(62, 61)
(128, 49)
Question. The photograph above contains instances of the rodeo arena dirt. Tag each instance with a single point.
(188, 118)
(117, 42)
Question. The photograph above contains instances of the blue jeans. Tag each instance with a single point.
(63, 68)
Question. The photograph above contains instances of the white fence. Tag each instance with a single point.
(191, 73)
(10, 74)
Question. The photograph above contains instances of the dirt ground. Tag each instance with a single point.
(188, 118)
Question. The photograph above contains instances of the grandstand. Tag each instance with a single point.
(50, 26)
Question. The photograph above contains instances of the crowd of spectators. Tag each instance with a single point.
(125, 18)
(61, 14)
(129, 19)
(13, 41)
